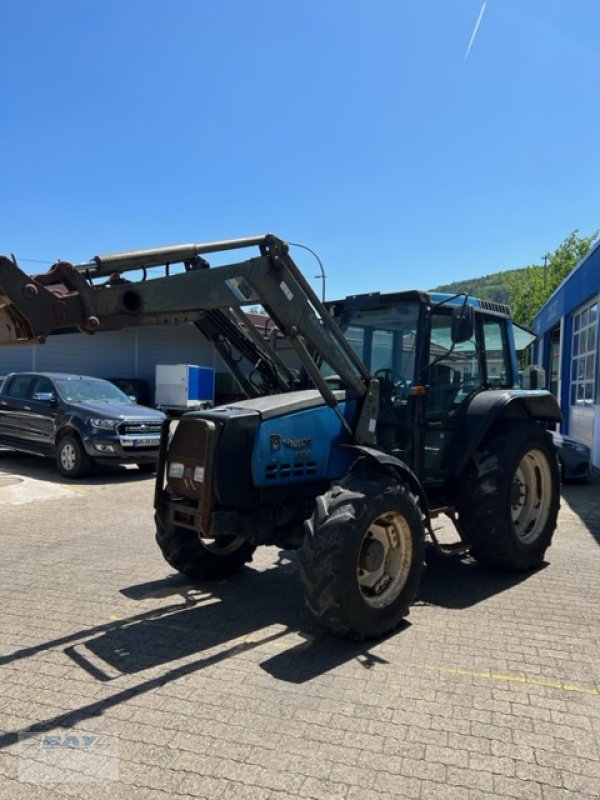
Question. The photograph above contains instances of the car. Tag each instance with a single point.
(78, 420)
(575, 458)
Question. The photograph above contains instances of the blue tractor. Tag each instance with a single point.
(400, 408)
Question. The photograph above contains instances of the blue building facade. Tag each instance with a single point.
(568, 349)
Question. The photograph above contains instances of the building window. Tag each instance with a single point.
(583, 365)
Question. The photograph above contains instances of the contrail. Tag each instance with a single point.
(475, 29)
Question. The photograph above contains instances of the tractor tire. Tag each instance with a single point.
(363, 556)
(71, 459)
(509, 498)
(218, 558)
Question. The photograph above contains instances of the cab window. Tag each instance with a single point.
(496, 352)
(20, 387)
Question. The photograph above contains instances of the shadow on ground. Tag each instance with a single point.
(205, 626)
(461, 582)
(200, 625)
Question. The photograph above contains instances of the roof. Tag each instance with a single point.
(580, 285)
(63, 375)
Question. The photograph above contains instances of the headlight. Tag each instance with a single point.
(199, 474)
(175, 470)
(579, 448)
(103, 424)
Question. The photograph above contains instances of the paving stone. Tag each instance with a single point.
(230, 691)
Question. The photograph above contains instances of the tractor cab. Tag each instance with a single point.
(430, 354)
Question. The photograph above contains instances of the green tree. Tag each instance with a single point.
(529, 288)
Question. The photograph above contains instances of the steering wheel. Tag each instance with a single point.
(389, 385)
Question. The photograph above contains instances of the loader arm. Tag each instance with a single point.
(72, 296)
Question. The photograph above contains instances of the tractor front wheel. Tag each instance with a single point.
(363, 555)
(509, 498)
(202, 559)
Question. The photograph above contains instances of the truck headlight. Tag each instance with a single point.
(102, 423)
(175, 470)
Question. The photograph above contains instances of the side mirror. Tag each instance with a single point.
(533, 377)
(463, 324)
(45, 397)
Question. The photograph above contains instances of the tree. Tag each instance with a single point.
(529, 288)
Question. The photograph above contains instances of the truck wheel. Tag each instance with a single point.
(363, 555)
(217, 558)
(71, 459)
(509, 498)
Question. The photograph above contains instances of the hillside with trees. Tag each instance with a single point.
(526, 290)
(489, 287)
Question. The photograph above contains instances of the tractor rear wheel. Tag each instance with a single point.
(509, 498)
(363, 555)
(203, 560)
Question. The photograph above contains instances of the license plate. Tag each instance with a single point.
(153, 441)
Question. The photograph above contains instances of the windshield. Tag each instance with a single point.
(384, 338)
(90, 390)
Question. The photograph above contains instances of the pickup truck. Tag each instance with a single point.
(78, 420)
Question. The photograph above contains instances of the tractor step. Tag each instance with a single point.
(459, 548)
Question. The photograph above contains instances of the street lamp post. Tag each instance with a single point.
(320, 277)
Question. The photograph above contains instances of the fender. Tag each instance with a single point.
(487, 407)
(399, 469)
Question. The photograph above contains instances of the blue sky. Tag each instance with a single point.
(359, 129)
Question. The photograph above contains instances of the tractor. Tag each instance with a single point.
(398, 408)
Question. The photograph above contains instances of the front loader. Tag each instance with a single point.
(406, 407)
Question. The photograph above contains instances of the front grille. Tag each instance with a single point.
(131, 427)
(193, 445)
(295, 470)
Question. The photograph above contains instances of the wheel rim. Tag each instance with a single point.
(68, 457)
(385, 559)
(222, 546)
(531, 495)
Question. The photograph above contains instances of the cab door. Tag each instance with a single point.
(42, 412)
(453, 374)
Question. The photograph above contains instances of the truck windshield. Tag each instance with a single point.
(90, 390)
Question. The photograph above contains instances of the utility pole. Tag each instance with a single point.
(545, 257)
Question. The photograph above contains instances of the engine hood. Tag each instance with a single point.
(119, 411)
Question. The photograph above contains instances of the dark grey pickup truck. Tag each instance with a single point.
(77, 420)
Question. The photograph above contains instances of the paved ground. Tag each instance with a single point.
(228, 691)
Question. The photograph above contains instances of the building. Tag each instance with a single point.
(130, 353)
(568, 349)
